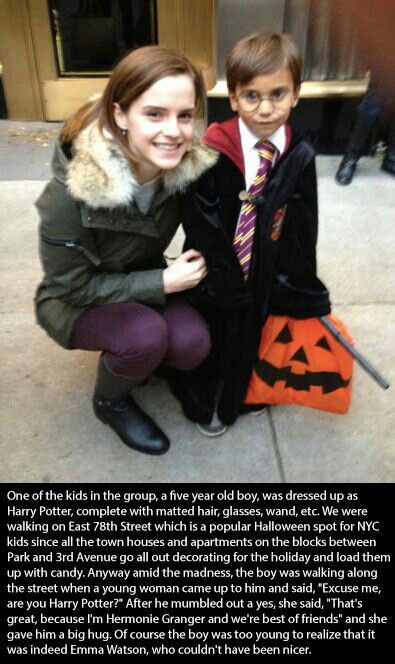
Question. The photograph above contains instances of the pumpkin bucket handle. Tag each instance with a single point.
(361, 359)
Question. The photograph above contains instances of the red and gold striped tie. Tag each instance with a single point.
(244, 237)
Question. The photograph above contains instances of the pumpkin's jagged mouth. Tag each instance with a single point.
(328, 380)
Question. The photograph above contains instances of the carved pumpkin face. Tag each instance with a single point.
(301, 363)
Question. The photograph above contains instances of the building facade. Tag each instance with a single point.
(56, 53)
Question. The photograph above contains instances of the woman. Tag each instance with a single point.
(121, 168)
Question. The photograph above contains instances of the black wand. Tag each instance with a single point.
(362, 361)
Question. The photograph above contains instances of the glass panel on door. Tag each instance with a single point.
(91, 35)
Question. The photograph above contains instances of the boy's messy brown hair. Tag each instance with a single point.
(262, 53)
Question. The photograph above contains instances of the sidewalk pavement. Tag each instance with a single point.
(48, 430)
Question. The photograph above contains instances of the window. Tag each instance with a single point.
(91, 35)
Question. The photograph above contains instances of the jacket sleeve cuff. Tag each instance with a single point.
(149, 287)
(307, 300)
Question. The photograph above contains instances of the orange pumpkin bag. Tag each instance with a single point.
(301, 363)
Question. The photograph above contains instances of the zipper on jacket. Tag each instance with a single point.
(72, 244)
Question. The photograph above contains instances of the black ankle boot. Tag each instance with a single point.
(134, 427)
(355, 148)
(114, 406)
(346, 170)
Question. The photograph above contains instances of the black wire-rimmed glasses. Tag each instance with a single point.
(250, 100)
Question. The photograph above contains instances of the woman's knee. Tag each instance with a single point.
(192, 347)
(148, 341)
(139, 343)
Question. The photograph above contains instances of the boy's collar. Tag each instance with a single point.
(225, 137)
(249, 139)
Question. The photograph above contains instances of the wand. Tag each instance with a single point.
(362, 361)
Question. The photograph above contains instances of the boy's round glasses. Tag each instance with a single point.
(249, 100)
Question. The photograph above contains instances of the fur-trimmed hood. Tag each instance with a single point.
(100, 175)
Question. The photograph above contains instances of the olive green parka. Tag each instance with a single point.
(96, 247)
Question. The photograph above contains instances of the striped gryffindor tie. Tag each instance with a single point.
(244, 237)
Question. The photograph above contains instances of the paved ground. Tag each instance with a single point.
(48, 431)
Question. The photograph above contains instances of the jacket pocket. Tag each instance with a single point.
(123, 219)
(72, 244)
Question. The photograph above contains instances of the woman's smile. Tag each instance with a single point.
(169, 148)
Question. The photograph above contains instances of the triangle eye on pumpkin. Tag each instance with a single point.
(284, 337)
(300, 356)
(322, 343)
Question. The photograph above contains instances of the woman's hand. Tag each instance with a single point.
(186, 272)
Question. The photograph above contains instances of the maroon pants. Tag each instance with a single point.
(136, 339)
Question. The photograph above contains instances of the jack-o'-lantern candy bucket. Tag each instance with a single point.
(301, 363)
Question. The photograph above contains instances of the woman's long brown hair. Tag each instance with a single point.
(132, 76)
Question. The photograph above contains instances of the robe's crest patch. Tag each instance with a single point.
(277, 223)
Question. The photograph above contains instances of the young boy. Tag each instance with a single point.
(254, 217)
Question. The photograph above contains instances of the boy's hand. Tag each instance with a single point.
(186, 272)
